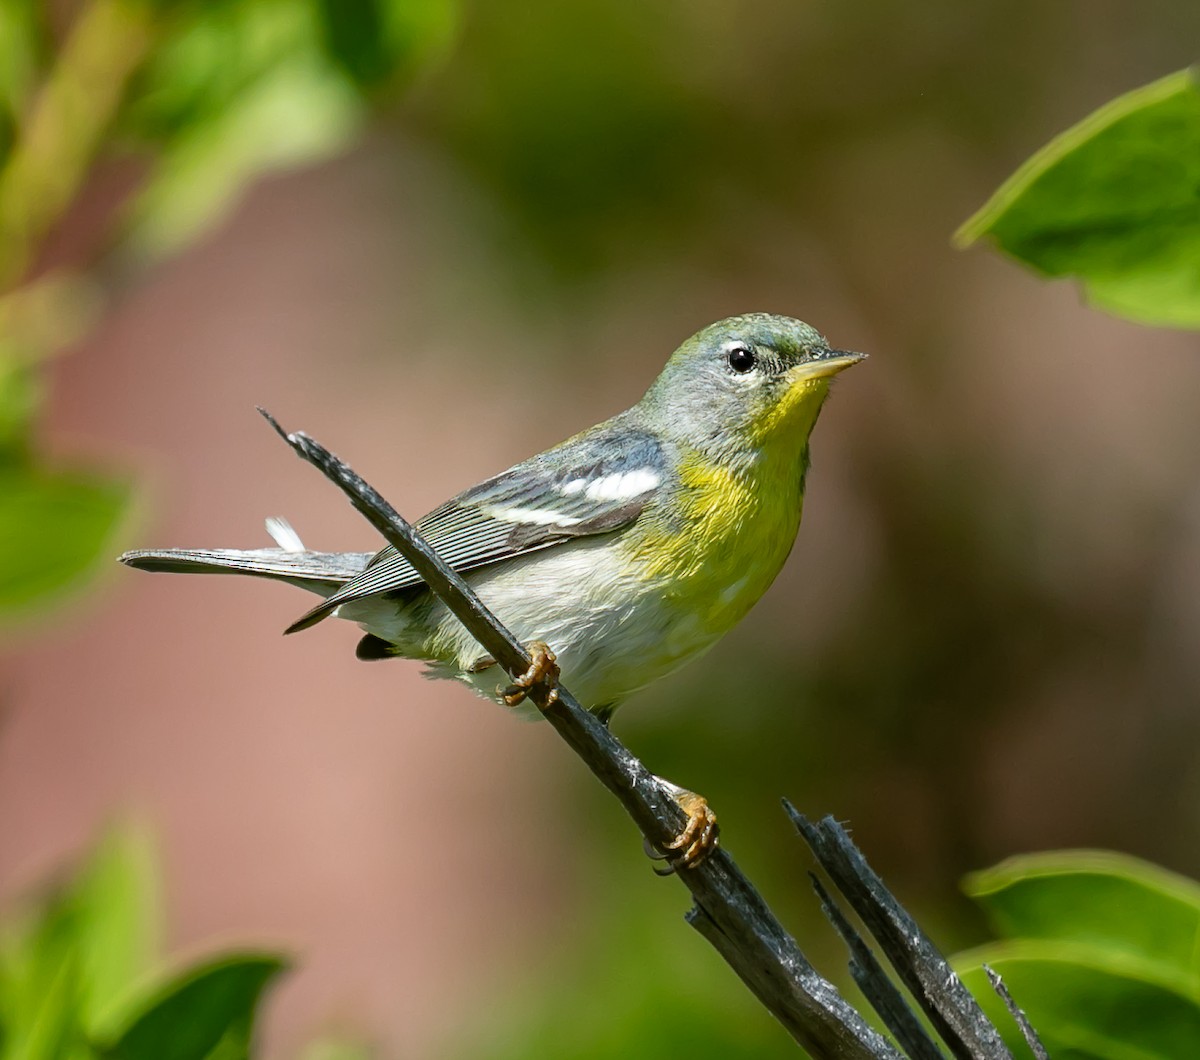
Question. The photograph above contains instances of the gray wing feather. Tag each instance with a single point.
(537, 504)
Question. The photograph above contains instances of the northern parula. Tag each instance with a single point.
(630, 548)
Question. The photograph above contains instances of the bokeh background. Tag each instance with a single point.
(987, 639)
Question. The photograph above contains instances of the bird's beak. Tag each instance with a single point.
(825, 363)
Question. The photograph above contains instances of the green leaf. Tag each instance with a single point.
(1085, 1001)
(48, 1026)
(1110, 900)
(117, 902)
(236, 90)
(56, 528)
(209, 60)
(1115, 202)
(71, 965)
(299, 115)
(206, 1013)
(66, 964)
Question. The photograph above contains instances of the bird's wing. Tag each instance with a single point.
(594, 483)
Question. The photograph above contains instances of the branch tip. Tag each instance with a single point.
(1018, 1014)
(274, 423)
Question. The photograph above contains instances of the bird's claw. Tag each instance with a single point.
(700, 837)
(543, 670)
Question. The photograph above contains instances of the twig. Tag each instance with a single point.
(955, 1014)
(729, 912)
(877, 988)
(1022, 1021)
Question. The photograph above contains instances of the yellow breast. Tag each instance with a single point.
(734, 533)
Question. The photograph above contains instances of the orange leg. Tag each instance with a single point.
(543, 670)
(700, 835)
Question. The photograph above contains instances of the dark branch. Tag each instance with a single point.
(877, 987)
(955, 1014)
(729, 912)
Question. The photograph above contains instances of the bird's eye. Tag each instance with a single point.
(742, 359)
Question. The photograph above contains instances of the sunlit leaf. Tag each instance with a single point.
(45, 1024)
(67, 962)
(298, 115)
(237, 91)
(207, 1012)
(1098, 897)
(209, 60)
(1113, 202)
(1085, 1001)
(56, 528)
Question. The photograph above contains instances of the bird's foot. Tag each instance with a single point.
(543, 670)
(699, 838)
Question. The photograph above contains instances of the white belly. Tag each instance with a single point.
(612, 634)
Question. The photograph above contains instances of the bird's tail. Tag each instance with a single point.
(319, 572)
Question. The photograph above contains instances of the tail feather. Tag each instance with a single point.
(313, 616)
(318, 572)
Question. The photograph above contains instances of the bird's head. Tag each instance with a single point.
(745, 384)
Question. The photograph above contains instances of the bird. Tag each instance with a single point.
(617, 555)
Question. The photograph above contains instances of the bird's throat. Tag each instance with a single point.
(790, 419)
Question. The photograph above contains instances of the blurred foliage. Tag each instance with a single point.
(77, 977)
(611, 139)
(635, 982)
(582, 124)
(205, 98)
(56, 526)
(238, 90)
(1099, 950)
(21, 53)
(206, 1013)
(1113, 201)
